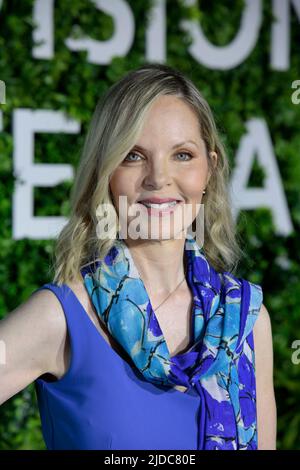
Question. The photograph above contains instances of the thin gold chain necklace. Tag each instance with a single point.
(155, 309)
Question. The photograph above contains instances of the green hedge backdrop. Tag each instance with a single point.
(69, 83)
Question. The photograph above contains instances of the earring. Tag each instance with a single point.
(204, 191)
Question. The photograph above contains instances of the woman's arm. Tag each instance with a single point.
(34, 337)
(265, 396)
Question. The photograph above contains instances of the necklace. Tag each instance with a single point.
(172, 290)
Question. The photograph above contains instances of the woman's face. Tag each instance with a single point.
(155, 168)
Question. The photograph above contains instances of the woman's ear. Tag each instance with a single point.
(214, 158)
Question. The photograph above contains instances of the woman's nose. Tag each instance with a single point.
(158, 175)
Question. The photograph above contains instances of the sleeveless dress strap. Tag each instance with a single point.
(75, 318)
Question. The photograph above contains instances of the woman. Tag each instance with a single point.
(187, 360)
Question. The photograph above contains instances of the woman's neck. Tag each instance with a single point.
(160, 263)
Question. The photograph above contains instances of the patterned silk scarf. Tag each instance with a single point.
(220, 364)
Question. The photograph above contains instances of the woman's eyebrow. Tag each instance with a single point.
(172, 148)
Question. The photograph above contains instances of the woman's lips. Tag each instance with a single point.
(153, 211)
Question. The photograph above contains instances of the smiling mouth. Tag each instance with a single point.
(159, 209)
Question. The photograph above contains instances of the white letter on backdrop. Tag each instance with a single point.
(156, 33)
(102, 52)
(43, 31)
(258, 142)
(226, 57)
(281, 33)
(29, 174)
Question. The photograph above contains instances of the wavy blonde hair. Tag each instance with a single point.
(114, 129)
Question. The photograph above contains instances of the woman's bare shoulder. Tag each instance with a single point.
(42, 308)
(44, 312)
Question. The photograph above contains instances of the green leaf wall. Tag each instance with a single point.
(69, 83)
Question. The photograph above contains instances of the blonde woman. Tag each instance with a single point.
(145, 339)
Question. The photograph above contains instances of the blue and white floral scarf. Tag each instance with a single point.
(221, 362)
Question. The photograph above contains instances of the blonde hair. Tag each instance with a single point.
(114, 129)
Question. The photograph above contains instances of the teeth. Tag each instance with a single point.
(160, 206)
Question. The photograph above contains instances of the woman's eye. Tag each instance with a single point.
(185, 153)
(131, 153)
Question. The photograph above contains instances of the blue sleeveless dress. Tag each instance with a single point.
(103, 402)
